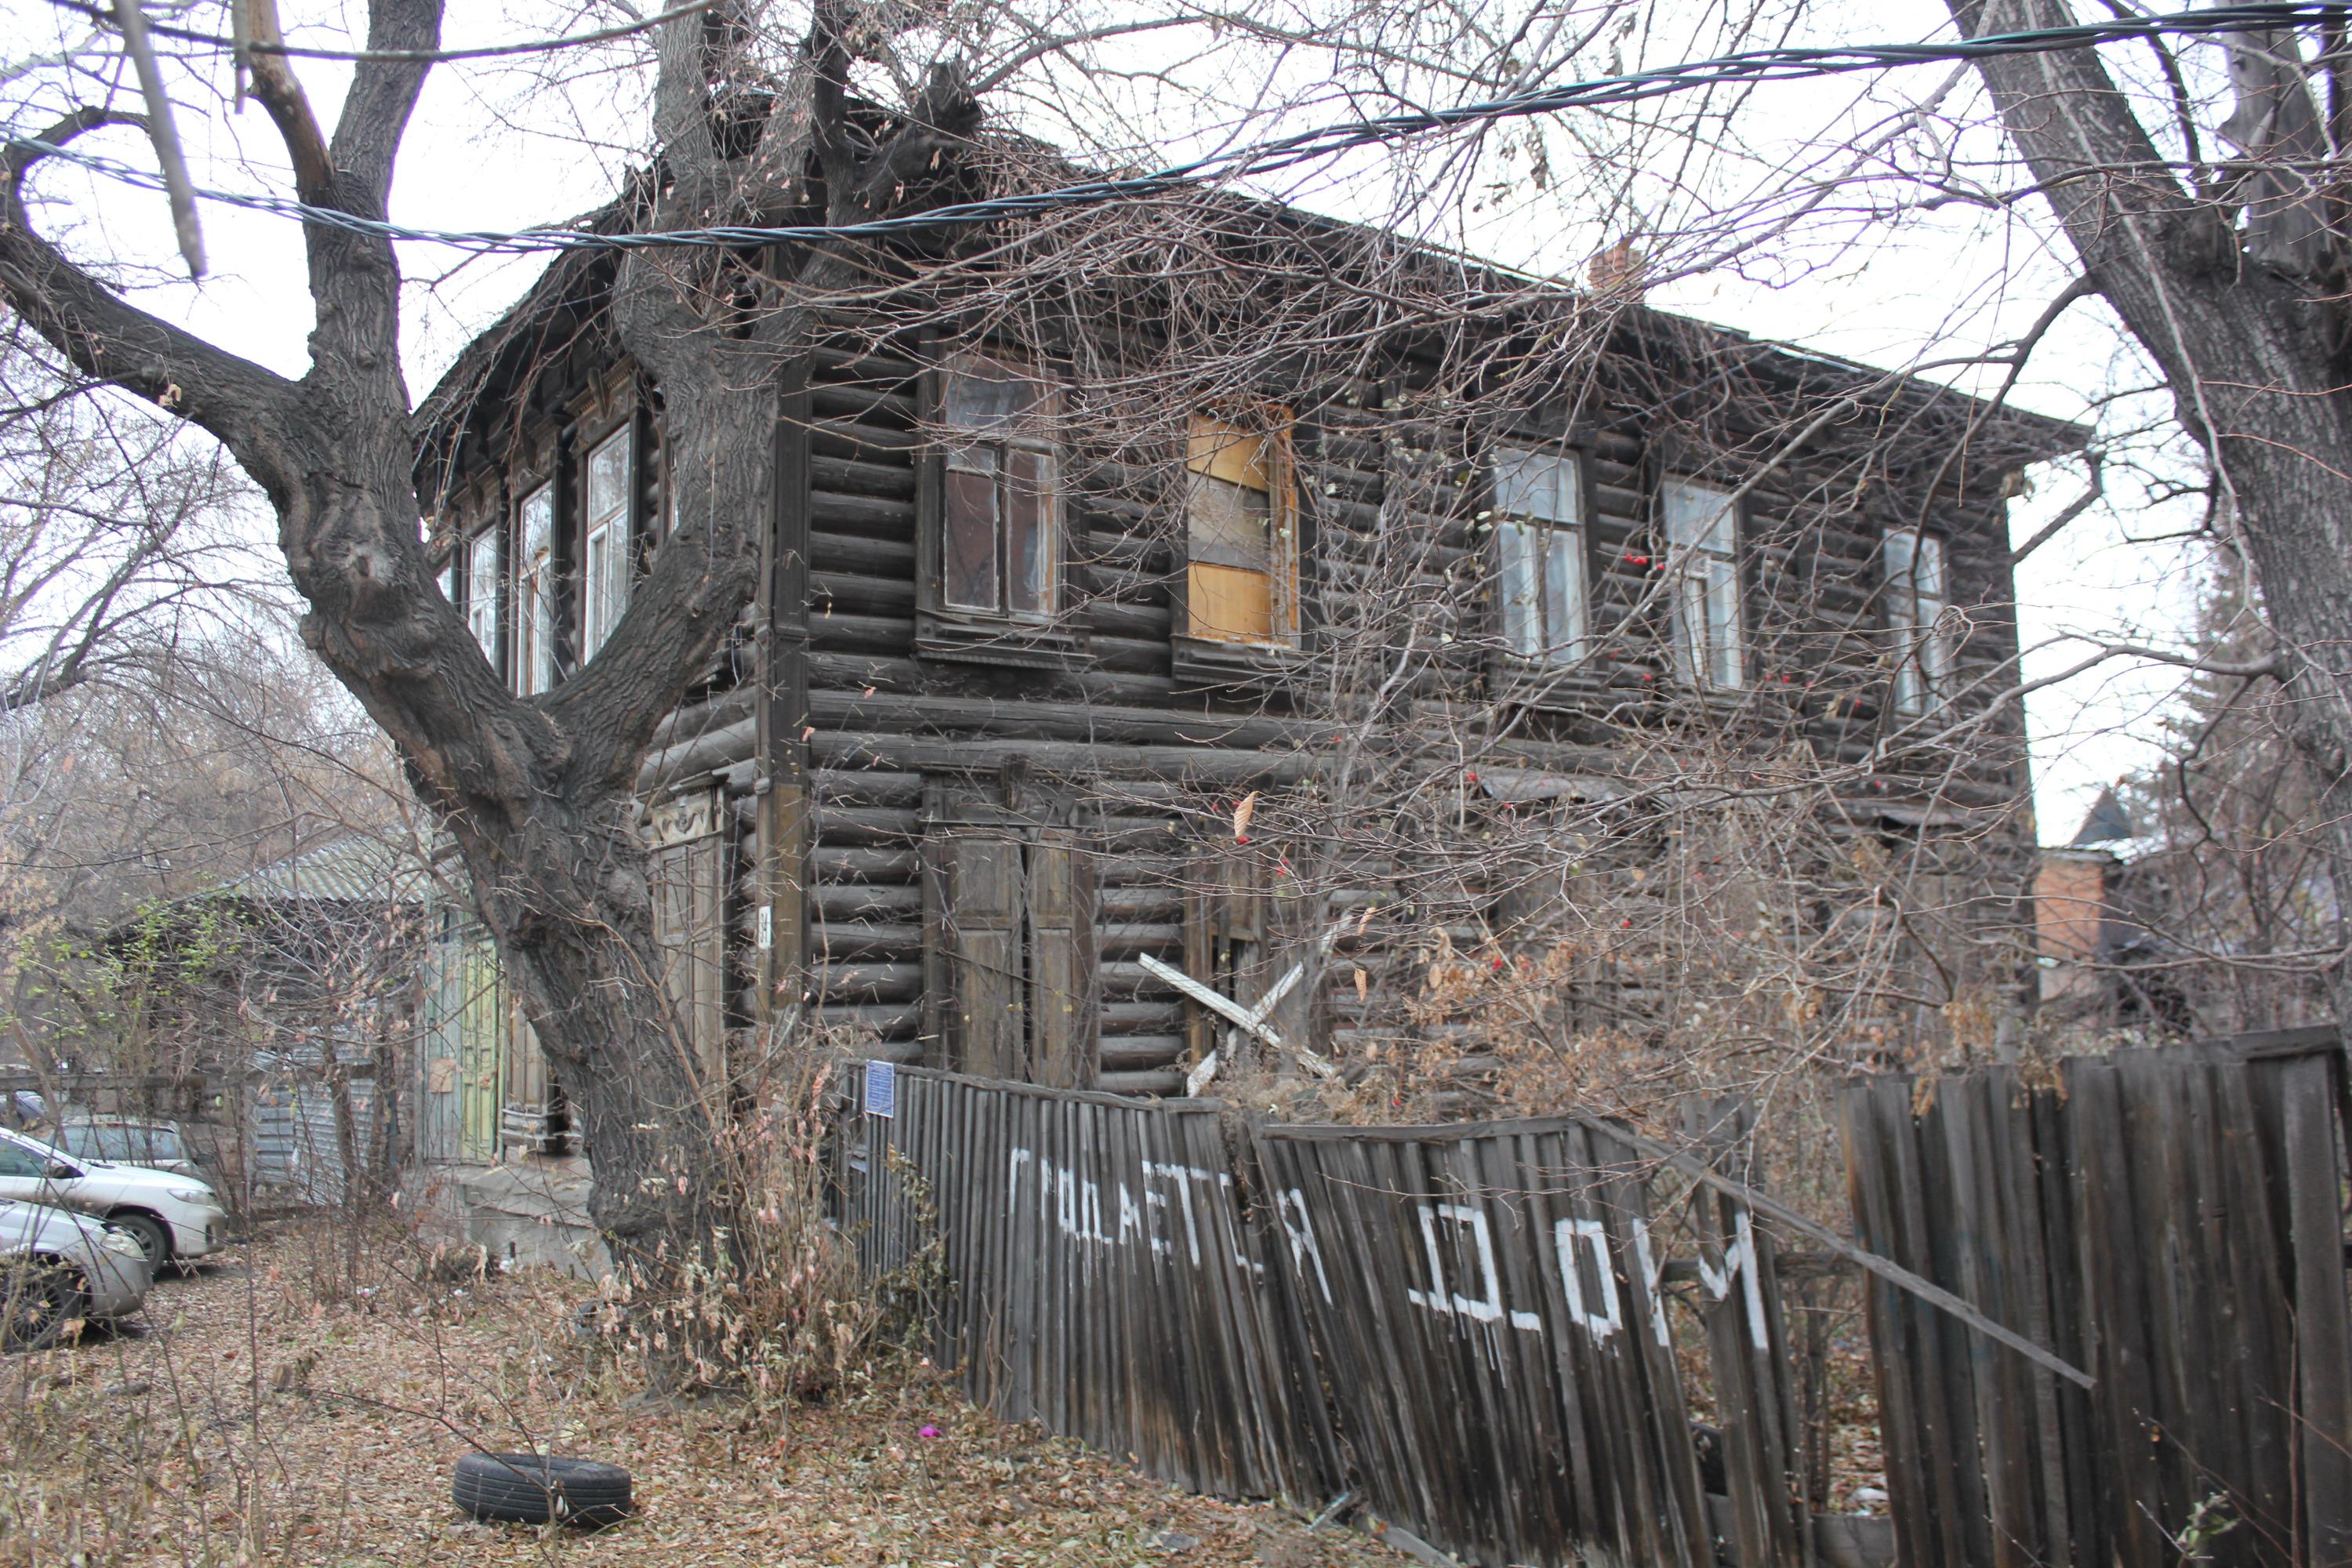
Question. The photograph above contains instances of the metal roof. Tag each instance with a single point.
(349, 870)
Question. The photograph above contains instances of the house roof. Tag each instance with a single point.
(2011, 437)
(2104, 822)
(349, 870)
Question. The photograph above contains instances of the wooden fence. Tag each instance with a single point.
(2171, 1222)
(1480, 1326)
(1104, 1277)
(1469, 1321)
(1487, 1303)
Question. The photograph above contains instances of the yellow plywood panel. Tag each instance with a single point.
(1228, 603)
(1228, 452)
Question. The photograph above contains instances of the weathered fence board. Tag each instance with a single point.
(1485, 1301)
(2171, 1221)
(1748, 1354)
(1105, 1279)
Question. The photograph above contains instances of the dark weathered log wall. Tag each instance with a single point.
(1392, 504)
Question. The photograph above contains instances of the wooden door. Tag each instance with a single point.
(689, 889)
(1010, 939)
(481, 1029)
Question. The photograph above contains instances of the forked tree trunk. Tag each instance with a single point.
(537, 792)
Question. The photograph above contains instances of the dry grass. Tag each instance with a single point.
(248, 1421)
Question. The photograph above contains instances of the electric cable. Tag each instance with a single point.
(1776, 65)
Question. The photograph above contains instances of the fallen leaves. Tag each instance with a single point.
(163, 1445)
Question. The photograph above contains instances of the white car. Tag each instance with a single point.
(172, 1216)
(55, 1267)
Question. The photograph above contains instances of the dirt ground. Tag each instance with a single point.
(283, 1407)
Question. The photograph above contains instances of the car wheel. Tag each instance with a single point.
(153, 1239)
(541, 1489)
(37, 1302)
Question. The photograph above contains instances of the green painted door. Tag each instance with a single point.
(481, 1083)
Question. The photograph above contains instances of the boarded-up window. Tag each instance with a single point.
(1540, 554)
(535, 593)
(605, 545)
(689, 889)
(1702, 530)
(1241, 583)
(1001, 506)
(1012, 907)
(1918, 600)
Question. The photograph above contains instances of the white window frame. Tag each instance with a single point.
(483, 574)
(1702, 529)
(1916, 566)
(1540, 564)
(604, 554)
(534, 590)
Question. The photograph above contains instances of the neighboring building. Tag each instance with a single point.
(2104, 958)
(953, 800)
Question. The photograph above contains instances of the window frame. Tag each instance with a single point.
(1275, 426)
(1924, 649)
(1694, 664)
(1046, 637)
(535, 612)
(471, 577)
(593, 633)
(1553, 658)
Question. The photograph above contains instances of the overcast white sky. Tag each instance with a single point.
(1906, 297)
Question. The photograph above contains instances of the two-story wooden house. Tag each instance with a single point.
(1055, 611)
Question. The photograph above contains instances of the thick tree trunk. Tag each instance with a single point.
(537, 792)
(2245, 350)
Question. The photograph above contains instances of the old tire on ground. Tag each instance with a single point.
(36, 1302)
(153, 1236)
(542, 1488)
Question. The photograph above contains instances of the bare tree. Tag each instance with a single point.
(2228, 272)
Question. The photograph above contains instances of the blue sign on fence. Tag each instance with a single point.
(881, 1090)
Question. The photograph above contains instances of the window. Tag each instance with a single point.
(1702, 530)
(1000, 529)
(22, 1163)
(605, 546)
(1917, 600)
(482, 591)
(535, 593)
(1540, 554)
(1240, 581)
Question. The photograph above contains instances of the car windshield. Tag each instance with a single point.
(125, 1144)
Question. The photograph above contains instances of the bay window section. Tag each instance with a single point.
(1539, 555)
(1702, 531)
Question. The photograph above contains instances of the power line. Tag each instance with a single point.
(414, 57)
(1287, 151)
